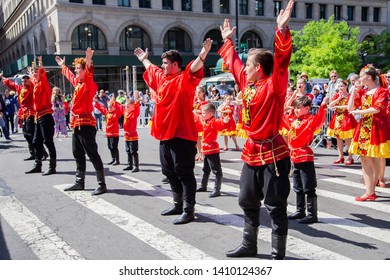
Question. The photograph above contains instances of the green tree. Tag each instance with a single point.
(323, 46)
(377, 49)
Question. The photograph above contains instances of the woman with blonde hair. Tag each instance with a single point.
(59, 115)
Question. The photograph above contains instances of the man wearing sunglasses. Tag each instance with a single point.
(333, 83)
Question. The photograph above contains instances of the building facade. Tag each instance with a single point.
(114, 28)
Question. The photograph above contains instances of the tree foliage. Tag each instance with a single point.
(323, 46)
(377, 49)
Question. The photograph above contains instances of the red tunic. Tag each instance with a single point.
(263, 103)
(130, 122)
(301, 133)
(198, 115)
(42, 95)
(231, 128)
(25, 98)
(84, 92)
(173, 116)
(372, 135)
(343, 124)
(112, 118)
(210, 135)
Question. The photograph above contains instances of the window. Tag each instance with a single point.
(309, 10)
(177, 39)
(351, 13)
(249, 40)
(259, 8)
(207, 6)
(322, 11)
(133, 37)
(377, 13)
(186, 5)
(294, 11)
(214, 34)
(167, 4)
(76, 1)
(224, 7)
(144, 4)
(88, 35)
(337, 12)
(364, 13)
(124, 3)
(243, 7)
(99, 2)
(277, 7)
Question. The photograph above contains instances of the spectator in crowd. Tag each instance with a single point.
(97, 113)
(318, 95)
(121, 99)
(309, 86)
(215, 96)
(11, 103)
(333, 83)
(352, 79)
(3, 118)
(59, 116)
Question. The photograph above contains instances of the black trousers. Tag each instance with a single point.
(304, 178)
(131, 147)
(44, 132)
(29, 130)
(260, 182)
(112, 144)
(177, 157)
(84, 142)
(212, 163)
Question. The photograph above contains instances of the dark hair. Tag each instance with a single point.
(173, 56)
(302, 101)
(264, 57)
(209, 107)
(375, 73)
(26, 77)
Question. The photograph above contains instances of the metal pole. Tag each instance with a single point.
(127, 80)
(134, 77)
(237, 49)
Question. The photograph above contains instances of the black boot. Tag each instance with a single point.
(79, 184)
(116, 162)
(278, 243)
(187, 215)
(113, 158)
(301, 209)
(203, 184)
(52, 167)
(136, 163)
(129, 163)
(311, 211)
(45, 155)
(102, 188)
(36, 169)
(217, 186)
(32, 152)
(248, 247)
(177, 207)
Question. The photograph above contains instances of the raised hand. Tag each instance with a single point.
(60, 61)
(40, 64)
(285, 16)
(88, 56)
(206, 48)
(226, 30)
(141, 54)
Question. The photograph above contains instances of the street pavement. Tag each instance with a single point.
(38, 220)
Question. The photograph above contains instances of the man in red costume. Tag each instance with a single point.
(26, 111)
(44, 121)
(82, 121)
(173, 123)
(265, 153)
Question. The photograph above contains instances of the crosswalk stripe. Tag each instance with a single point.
(339, 168)
(44, 243)
(353, 184)
(165, 243)
(295, 245)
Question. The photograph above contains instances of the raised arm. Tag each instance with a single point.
(284, 18)
(198, 63)
(88, 57)
(142, 56)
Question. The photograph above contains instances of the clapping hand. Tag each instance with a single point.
(60, 61)
(141, 54)
(285, 16)
(226, 30)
